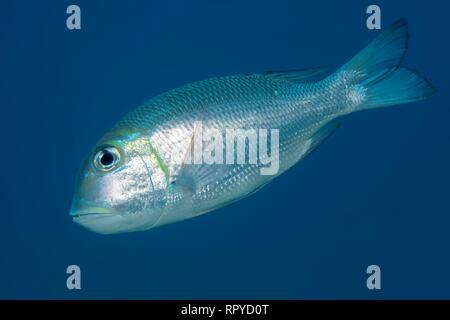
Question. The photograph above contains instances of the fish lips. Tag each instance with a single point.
(90, 211)
(97, 219)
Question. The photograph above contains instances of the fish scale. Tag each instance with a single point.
(246, 102)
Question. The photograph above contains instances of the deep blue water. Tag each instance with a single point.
(377, 192)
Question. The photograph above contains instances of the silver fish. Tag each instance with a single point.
(141, 174)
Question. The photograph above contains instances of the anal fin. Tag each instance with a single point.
(321, 135)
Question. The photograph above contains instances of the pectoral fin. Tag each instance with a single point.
(192, 177)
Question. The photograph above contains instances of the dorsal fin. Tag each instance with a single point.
(301, 75)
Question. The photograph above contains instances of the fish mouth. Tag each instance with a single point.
(91, 211)
(98, 219)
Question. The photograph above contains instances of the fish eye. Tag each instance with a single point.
(106, 158)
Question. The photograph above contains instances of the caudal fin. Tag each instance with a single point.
(376, 74)
(401, 86)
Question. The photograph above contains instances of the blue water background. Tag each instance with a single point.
(377, 192)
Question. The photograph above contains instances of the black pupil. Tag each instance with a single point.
(107, 158)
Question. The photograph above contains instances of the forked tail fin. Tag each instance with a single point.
(376, 75)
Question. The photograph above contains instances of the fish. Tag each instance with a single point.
(145, 171)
